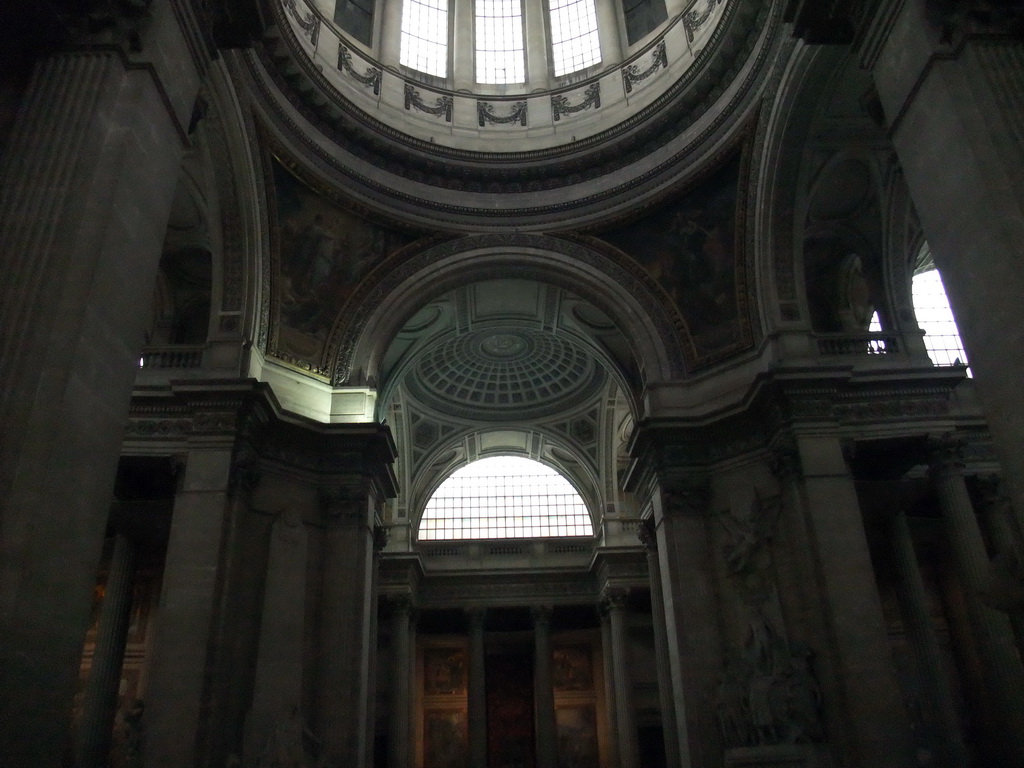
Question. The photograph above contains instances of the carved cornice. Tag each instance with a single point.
(245, 413)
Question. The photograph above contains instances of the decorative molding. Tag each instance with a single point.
(591, 98)
(631, 74)
(443, 105)
(309, 24)
(485, 114)
(694, 20)
(371, 78)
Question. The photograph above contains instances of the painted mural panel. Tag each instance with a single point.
(444, 671)
(577, 737)
(445, 739)
(693, 247)
(322, 251)
(573, 669)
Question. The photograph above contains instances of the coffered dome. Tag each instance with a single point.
(493, 372)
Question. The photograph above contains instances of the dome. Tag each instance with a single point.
(605, 135)
(489, 371)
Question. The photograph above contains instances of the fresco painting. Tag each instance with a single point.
(324, 251)
(690, 246)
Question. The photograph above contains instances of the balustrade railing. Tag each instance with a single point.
(173, 356)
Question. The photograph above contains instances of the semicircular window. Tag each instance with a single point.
(505, 497)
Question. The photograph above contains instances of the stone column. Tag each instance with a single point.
(345, 627)
(936, 696)
(691, 613)
(100, 704)
(535, 39)
(401, 682)
(610, 32)
(1004, 675)
(477, 691)
(543, 689)
(615, 602)
(277, 689)
(88, 176)
(649, 538)
(955, 117)
(461, 20)
(188, 610)
(391, 33)
(608, 669)
(1008, 567)
(878, 729)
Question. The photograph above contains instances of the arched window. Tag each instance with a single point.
(934, 315)
(574, 40)
(504, 497)
(500, 52)
(424, 45)
(942, 339)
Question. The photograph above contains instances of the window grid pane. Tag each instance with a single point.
(574, 40)
(499, 42)
(941, 337)
(505, 497)
(425, 36)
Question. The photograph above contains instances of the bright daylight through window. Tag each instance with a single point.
(935, 317)
(499, 42)
(574, 40)
(425, 36)
(505, 497)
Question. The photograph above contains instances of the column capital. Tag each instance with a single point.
(476, 616)
(647, 532)
(342, 504)
(614, 600)
(946, 451)
(541, 615)
(381, 536)
(688, 495)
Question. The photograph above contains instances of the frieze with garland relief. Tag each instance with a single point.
(490, 166)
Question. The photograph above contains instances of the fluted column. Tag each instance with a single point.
(1004, 674)
(477, 691)
(88, 175)
(649, 538)
(543, 689)
(185, 624)
(346, 626)
(401, 682)
(615, 602)
(691, 612)
(937, 697)
(100, 703)
(608, 669)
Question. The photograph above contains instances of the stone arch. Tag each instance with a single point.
(396, 289)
